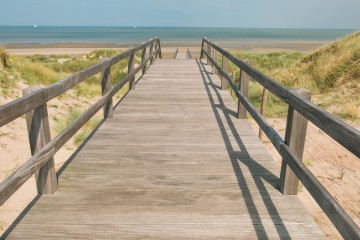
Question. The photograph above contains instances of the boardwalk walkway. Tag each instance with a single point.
(173, 163)
(181, 54)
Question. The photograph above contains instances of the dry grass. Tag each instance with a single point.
(333, 67)
(4, 57)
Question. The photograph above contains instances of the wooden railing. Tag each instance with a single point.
(33, 104)
(291, 149)
(176, 53)
(188, 53)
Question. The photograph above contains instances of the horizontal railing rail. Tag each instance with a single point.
(27, 103)
(343, 133)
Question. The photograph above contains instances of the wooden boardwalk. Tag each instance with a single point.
(173, 163)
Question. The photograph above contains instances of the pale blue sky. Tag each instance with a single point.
(191, 13)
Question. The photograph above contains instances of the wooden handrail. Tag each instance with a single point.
(27, 103)
(20, 106)
(343, 133)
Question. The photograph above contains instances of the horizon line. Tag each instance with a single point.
(146, 26)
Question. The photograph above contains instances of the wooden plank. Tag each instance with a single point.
(343, 133)
(171, 164)
(39, 135)
(176, 53)
(216, 60)
(295, 138)
(105, 87)
(263, 109)
(10, 185)
(225, 67)
(341, 220)
(143, 56)
(244, 89)
(131, 71)
(151, 52)
(21, 106)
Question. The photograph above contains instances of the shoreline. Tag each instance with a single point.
(83, 48)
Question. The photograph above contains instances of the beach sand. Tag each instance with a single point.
(168, 48)
(15, 134)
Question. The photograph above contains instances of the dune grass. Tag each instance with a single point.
(84, 132)
(4, 57)
(334, 66)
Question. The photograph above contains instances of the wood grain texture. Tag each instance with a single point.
(343, 133)
(215, 56)
(176, 53)
(21, 106)
(295, 135)
(105, 87)
(263, 109)
(173, 163)
(39, 135)
(244, 89)
(188, 54)
(341, 220)
(225, 67)
(131, 71)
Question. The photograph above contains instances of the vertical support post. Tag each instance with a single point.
(159, 45)
(225, 68)
(202, 48)
(234, 78)
(39, 135)
(143, 56)
(151, 52)
(131, 71)
(295, 138)
(105, 87)
(263, 109)
(155, 48)
(244, 89)
(215, 72)
(208, 52)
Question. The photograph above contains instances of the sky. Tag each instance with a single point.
(332, 14)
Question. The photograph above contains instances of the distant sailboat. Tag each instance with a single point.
(35, 26)
(134, 26)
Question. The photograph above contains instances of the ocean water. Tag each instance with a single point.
(123, 35)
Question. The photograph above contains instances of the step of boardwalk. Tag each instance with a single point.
(173, 163)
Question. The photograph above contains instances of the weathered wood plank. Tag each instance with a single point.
(39, 135)
(343, 133)
(21, 106)
(105, 87)
(295, 138)
(171, 165)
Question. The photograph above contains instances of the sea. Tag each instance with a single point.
(123, 35)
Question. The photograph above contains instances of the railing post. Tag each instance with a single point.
(151, 52)
(244, 89)
(159, 46)
(143, 56)
(39, 135)
(208, 52)
(105, 87)
(234, 79)
(202, 48)
(215, 72)
(263, 109)
(176, 53)
(225, 68)
(295, 138)
(131, 71)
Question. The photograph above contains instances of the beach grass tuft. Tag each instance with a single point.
(336, 65)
